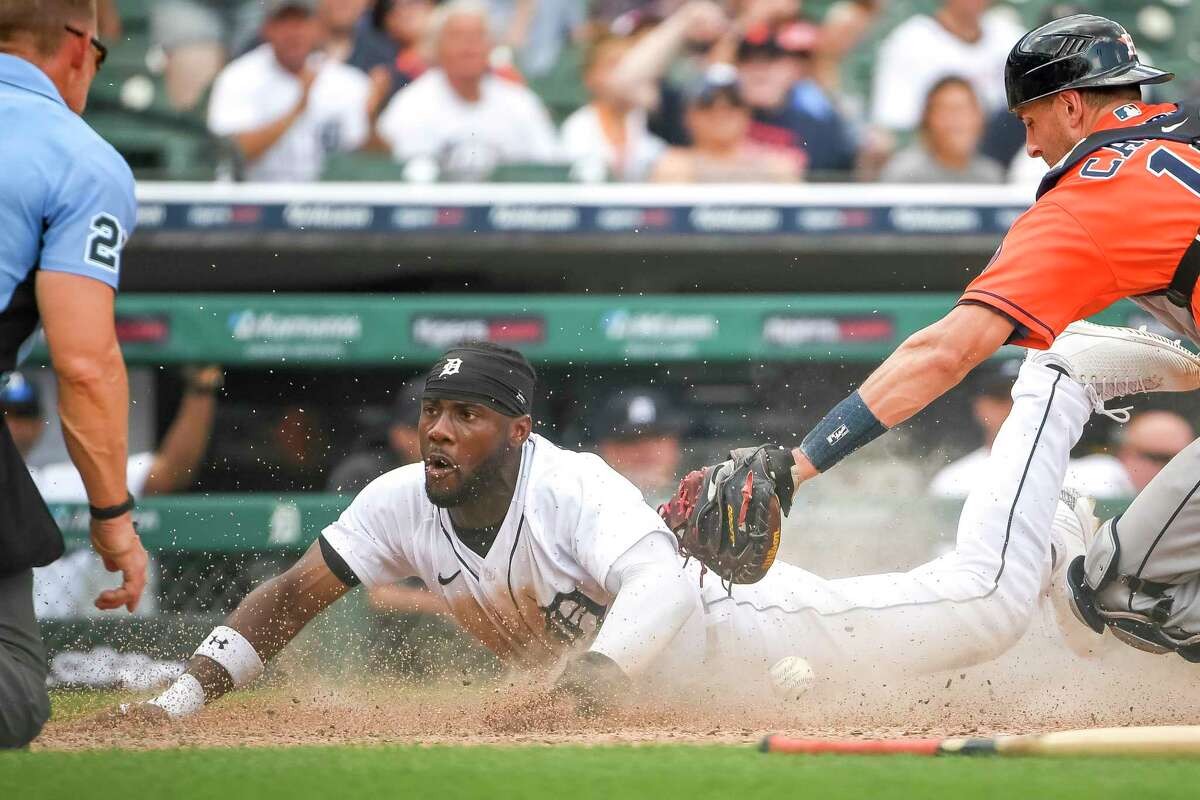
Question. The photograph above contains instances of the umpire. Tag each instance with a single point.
(66, 209)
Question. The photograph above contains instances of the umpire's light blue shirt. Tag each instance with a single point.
(66, 198)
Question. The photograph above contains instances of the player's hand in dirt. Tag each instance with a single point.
(118, 545)
(593, 682)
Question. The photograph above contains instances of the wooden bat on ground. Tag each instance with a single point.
(1177, 740)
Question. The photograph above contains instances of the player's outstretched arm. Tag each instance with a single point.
(235, 653)
(929, 363)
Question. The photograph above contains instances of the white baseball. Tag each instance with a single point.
(792, 676)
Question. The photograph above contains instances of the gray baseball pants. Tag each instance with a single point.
(1147, 561)
(24, 704)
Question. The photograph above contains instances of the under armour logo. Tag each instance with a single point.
(220, 643)
(451, 367)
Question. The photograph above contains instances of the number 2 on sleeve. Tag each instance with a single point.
(104, 243)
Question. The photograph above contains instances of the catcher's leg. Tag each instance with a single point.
(1141, 576)
(962, 608)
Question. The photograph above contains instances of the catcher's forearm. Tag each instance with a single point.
(928, 364)
(654, 598)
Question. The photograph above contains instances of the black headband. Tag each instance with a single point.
(501, 380)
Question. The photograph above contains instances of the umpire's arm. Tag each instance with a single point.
(929, 363)
(93, 402)
(93, 392)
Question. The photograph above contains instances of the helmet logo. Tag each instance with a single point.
(1127, 40)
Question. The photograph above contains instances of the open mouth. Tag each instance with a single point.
(438, 466)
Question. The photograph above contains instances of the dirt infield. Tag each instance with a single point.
(1037, 686)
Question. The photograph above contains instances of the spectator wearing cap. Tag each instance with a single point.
(286, 105)
(637, 432)
(791, 109)
(609, 132)
(459, 120)
(947, 149)
(718, 121)
(673, 52)
(398, 445)
(197, 38)
(668, 56)
(960, 38)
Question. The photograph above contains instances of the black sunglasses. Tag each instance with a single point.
(101, 49)
(1150, 455)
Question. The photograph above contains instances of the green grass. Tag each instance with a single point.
(572, 773)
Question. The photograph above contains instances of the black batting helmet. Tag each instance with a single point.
(1077, 52)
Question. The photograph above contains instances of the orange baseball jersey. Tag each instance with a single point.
(1115, 225)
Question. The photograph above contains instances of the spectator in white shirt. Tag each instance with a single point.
(459, 120)
(958, 39)
(609, 134)
(285, 105)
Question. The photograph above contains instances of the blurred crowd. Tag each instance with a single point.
(692, 91)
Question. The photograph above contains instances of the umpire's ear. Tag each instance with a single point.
(519, 430)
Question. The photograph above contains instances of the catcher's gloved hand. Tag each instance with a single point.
(592, 681)
(728, 515)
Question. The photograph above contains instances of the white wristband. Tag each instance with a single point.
(182, 698)
(234, 653)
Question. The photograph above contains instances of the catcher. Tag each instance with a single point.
(552, 560)
(1115, 217)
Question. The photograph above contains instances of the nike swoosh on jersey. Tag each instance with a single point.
(447, 581)
(1169, 128)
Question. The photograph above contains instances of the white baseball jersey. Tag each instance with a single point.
(541, 586)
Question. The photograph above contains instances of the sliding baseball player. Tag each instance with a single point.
(552, 560)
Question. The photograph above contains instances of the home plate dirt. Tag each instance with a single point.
(1038, 686)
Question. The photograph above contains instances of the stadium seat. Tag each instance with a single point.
(561, 89)
(531, 173)
(362, 167)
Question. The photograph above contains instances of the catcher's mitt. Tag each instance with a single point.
(728, 516)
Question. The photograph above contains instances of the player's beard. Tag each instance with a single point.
(488, 475)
